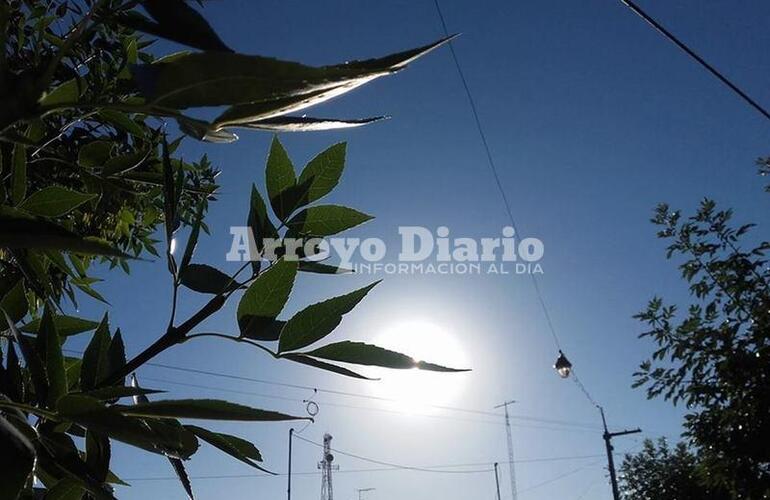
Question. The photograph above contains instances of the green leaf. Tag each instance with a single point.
(19, 230)
(216, 79)
(98, 452)
(181, 473)
(234, 446)
(49, 344)
(65, 489)
(315, 363)
(265, 298)
(35, 365)
(325, 220)
(60, 455)
(259, 221)
(176, 464)
(318, 320)
(360, 353)
(323, 172)
(206, 279)
(116, 392)
(122, 121)
(19, 174)
(176, 21)
(320, 268)
(281, 180)
(16, 460)
(116, 355)
(54, 201)
(95, 359)
(192, 240)
(65, 325)
(94, 154)
(72, 369)
(14, 303)
(204, 131)
(65, 94)
(153, 435)
(306, 124)
(208, 409)
(123, 163)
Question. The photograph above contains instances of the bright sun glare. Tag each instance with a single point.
(418, 391)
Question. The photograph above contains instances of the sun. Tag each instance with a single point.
(418, 391)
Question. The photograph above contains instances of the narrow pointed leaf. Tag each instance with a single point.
(315, 363)
(208, 409)
(318, 320)
(360, 353)
(54, 201)
(307, 124)
(98, 452)
(265, 298)
(16, 460)
(155, 436)
(19, 174)
(49, 343)
(322, 173)
(95, 359)
(65, 325)
(320, 268)
(216, 79)
(234, 446)
(18, 230)
(325, 220)
(280, 179)
(205, 279)
(116, 392)
(176, 21)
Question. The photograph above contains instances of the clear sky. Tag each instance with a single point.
(592, 117)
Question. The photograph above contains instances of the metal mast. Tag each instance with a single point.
(327, 493)
(511, 465)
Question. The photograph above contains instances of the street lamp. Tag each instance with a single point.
(562, 366)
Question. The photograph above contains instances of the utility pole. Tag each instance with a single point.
(511, 465)
(610, 458)
(288, 489)
(497, 482)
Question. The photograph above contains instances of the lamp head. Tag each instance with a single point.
(562, 366)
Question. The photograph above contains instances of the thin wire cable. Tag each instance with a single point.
(711, 69)
(493, 165)
(568, 425)
(435, 467)
(353, 471)
(560, 477)
(584, 425)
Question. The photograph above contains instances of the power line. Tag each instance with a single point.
(367, 470)
(569, 425)
(580, 425)
(687, 50)
(498, 183)
(394, 465)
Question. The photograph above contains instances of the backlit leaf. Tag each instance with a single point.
(208, 409)
(318, 320)
(265, 298)
(366, 354)
(54, 201)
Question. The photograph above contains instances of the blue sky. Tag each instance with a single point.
(593, 119)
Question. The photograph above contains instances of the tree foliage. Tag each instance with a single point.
(714, 357)
(90, 178)
(660, 472)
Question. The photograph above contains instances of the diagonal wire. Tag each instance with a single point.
(495, 174)
(690, 52)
